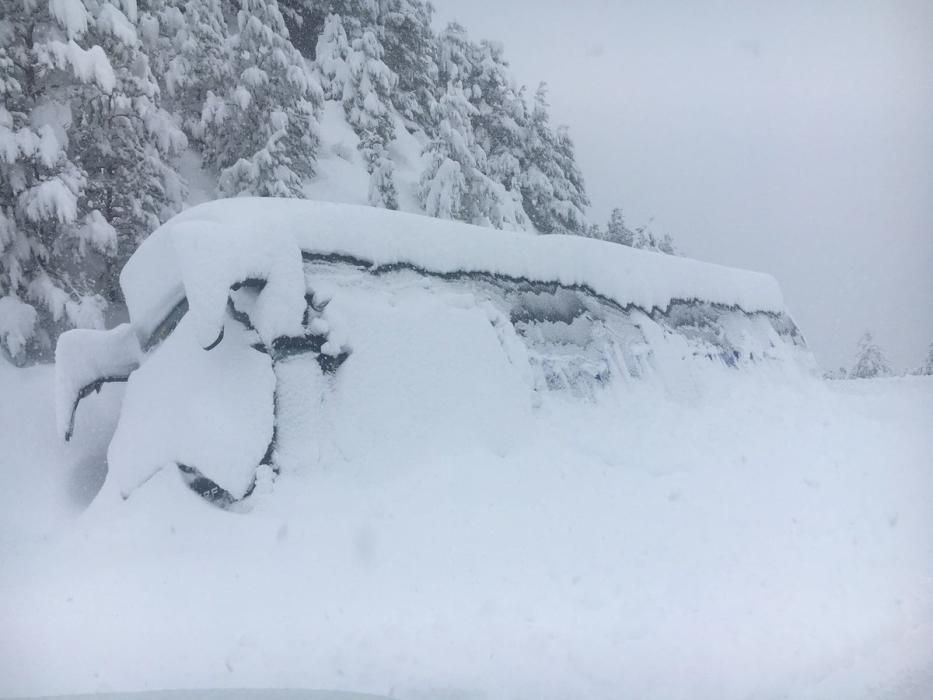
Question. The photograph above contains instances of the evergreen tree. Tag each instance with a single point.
(83, 148)
(451, 159)
(501, 118)
(367, 102)
(333, 52)
(262, 133)
(304, 20)
(454, 185)
(643, 238)
(456, 58)
(404, 30)
(616, 231)
(870, 360)
(39, 184)
(926, 369)
(124, 140)
(570, 190)
(357, 76)
(594, 231)
(187, 41)
(552, 188)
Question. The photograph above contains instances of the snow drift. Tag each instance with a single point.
(243, 313)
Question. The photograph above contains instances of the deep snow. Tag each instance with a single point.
(756, 535)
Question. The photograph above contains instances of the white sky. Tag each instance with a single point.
(794, 138)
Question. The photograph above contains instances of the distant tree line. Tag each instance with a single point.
(616, 231)
(871, 362)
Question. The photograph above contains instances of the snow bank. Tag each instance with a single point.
(153, 282)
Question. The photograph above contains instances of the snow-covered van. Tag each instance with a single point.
(254, 322)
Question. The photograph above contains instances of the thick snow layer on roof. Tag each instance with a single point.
(161, 271)
(211, 262)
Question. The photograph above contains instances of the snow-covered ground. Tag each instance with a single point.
(759, 534)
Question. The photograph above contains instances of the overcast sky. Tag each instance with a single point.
(794, 138)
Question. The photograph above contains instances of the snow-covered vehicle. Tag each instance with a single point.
(253, 321)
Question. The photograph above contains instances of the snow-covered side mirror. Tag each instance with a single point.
(85, 360)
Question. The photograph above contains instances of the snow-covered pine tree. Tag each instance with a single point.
(304, 20)
(870, 360)
(39, 184)
(186, 41)
(570, 191)
(357, 76)
(358, 15)
(404, 30)
(643, 238)
(926, 368)
(500, 122)
(56, 247)
(455, 58)
(616, 230)
(450, 160)
(453, 185)
(333, 52)
(261, 134)
(124, 140)
(552, 188)
(367, 101)
(594, 231)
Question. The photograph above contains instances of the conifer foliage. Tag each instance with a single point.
(104, 104)
(454, 185)
(367, 100)
(551, 184)
(870, 361)
(85, 171)
(926, 368)
(261, 133)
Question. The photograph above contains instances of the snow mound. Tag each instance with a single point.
(264, 329)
